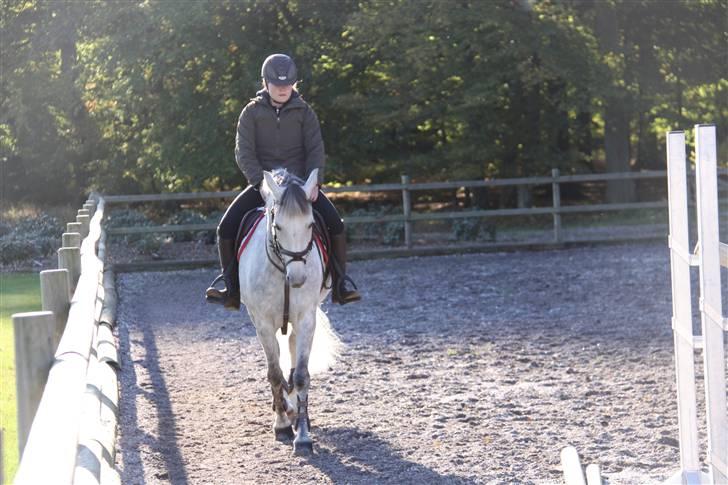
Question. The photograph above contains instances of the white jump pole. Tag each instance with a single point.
(573, 473)
(711, 311)
(682, 320)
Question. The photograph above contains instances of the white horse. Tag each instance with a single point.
(282, 261)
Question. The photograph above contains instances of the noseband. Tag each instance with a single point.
(280, 252)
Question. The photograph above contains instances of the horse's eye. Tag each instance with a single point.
(277, 227)
(310, 226)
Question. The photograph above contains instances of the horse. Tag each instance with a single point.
(283, 254)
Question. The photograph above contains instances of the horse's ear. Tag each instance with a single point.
(272, 186)
(311, 185)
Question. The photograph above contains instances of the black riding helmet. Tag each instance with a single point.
(279, 69)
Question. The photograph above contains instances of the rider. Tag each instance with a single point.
(277, 129)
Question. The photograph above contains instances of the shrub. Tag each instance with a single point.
(185, 217)
(33, 237)
(128, 218)
(42, 225)
(472, 229)
(390, 233)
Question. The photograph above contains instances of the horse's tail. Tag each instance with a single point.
(325, 349)
(326, 346)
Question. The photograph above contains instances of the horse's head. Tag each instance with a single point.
(290, 220)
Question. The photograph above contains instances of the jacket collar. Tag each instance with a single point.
(263, 97)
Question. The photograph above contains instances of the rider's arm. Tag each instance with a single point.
(314, 144)
(245, 154)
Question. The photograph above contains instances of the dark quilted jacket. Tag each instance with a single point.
(270, 138)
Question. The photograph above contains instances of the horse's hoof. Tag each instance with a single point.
(303, 448)
(285, 434)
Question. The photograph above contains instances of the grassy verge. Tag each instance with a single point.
(19, 292)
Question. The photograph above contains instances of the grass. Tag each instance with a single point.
(19, 292)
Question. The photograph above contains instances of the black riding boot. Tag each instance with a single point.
(230, 295)
(339, 293)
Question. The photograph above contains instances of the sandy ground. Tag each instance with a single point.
(458, 369)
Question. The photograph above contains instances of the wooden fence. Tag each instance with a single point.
(66, 362)
(408, 216)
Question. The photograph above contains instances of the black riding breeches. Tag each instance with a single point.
(250, 198)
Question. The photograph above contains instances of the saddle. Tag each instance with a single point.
(321, 236)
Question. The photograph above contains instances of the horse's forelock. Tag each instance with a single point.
(294, 200)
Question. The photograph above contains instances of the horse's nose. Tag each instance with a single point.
(296, 281)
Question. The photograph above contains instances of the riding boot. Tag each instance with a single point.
(339, 292)
(229, 296)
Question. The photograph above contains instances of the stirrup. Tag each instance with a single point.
(213, 295)
(344, 296)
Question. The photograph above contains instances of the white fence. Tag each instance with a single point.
(709, 255)
(68, 400)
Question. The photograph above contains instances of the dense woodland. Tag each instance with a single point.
(144, 96)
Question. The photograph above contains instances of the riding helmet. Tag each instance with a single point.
(279, 69)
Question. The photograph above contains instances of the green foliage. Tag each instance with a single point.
(185, 217)
(473, 229)
(389, 233)
(145, 243)
(34, 237)
(129, 97)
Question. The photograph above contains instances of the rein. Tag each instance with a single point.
(279, 251)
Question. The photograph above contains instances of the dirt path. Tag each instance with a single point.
(459, 369)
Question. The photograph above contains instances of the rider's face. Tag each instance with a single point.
(280, 94)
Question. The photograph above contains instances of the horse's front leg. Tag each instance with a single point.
(282, 425)
(303, 444)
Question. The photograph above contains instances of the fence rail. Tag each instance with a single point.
(67, 395)
(408, 216)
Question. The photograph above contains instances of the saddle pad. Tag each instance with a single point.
(247, 228)
(252, 219)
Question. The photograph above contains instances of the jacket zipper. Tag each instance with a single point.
(278, 131)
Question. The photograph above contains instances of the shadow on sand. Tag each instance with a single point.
(164, 445)
(347, 455)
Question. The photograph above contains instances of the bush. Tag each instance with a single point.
(42, 225)
(472, 229)
(128, 218)
(390, 233)
(185, 217)
(5, 228)
(34, 237)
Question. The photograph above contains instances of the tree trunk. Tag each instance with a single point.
(616, 147)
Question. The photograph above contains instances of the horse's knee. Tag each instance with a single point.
(301, 378)
(275, 376)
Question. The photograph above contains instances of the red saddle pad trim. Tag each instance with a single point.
(249, 235)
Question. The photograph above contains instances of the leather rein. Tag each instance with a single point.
(279, 251)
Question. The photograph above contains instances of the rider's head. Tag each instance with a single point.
(279, 77)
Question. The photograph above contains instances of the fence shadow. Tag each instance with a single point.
(164, 444)
(348, 455)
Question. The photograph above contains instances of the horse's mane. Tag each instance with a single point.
(294, 199)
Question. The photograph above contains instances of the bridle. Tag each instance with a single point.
(279, 251)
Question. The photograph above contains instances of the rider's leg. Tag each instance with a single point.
(339, 291)
(227, 231)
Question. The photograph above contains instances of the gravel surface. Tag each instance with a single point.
(458, 369)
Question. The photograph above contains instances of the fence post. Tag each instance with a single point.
(76, 227)
(407, 208)
(55, 297)
(85, 221)
(91, 208)
(33, 359)
(556, 189)
(71, 240)
(70, 259)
